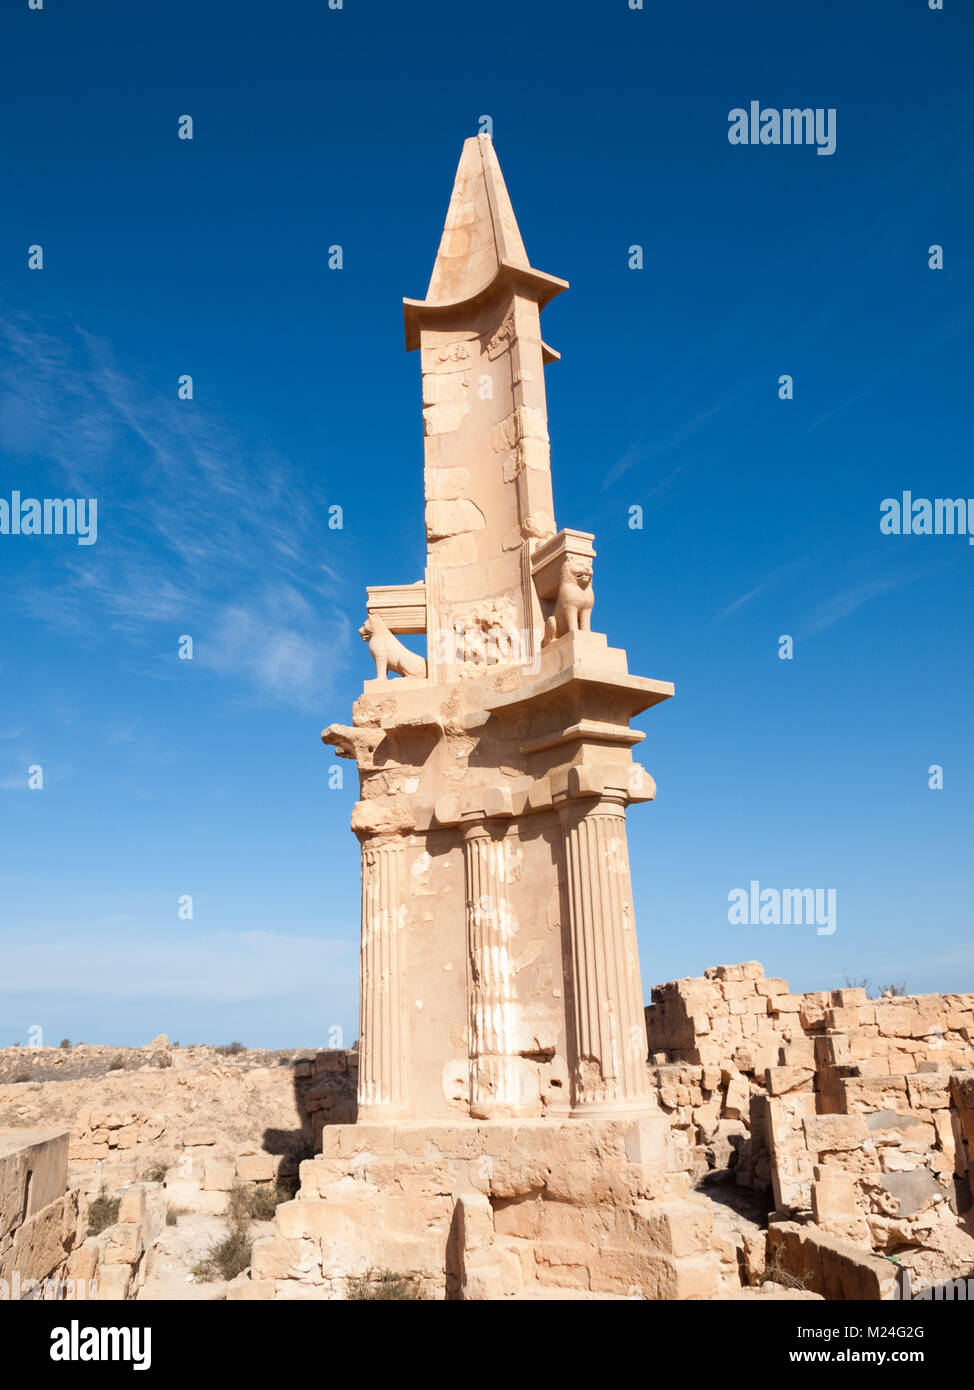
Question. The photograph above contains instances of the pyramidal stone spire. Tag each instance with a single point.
(481, 232)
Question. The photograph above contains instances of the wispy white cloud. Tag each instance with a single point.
(645, 448)
(743, 600)
(268, 640)
(771, 581)
(846, 602)
(199, 530)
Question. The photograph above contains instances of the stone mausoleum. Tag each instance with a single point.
(507, 1135)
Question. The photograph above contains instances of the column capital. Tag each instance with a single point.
(614, 781)
(609, 802)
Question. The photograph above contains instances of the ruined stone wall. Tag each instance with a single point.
(734, 1014)
(890, 1037)
(732, 1034)
(713, 1042)
(326, 1086)
(857, 1114)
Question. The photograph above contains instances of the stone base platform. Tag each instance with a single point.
(492, 1209)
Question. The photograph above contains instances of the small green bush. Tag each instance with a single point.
(230, 1049)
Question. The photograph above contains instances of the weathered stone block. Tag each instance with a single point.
(799, 1053)
(199, 1137)
(188, 1194)
(833, 1195)
(784, 1003)
(218, 1176)
(646, 1140)
(257, 1167)
(114, 1282)
(275, 1257)
(780, 1080)
(673, 1277)
(131, 1207)
(311, 1219)
(43, 1241)
(520, 1218)
(865, 1093)
(124, 1245)
(678, 1228)
(833, 1133)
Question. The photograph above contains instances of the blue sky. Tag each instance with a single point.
(761, 517)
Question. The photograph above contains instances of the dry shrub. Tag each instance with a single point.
(102, 1213)
(383, 1284)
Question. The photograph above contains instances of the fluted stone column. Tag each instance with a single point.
(383, 1046)
(494, 1065)
(609, 1064)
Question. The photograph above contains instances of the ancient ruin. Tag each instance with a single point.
(514, 1121)
(502, 1028)
(500, 976)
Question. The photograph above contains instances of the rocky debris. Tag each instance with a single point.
(210, 1119)
(853, 1118)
